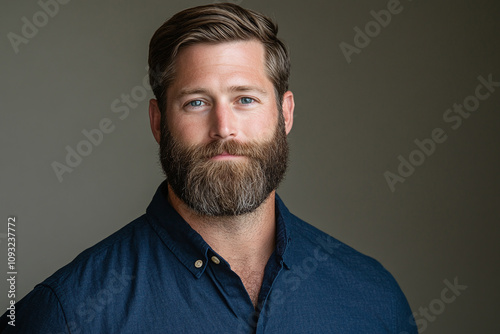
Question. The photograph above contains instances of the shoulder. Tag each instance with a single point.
(313, 248)
(326, 273)
(308, 244)
(99, 271)
(112, 259)
(307, 237)
(98, 279)
(30, 317)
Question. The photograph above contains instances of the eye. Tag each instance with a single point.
(246, 100)
(195, 103)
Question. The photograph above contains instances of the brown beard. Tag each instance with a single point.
(225, 187)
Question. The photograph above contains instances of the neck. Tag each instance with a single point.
(247, 240)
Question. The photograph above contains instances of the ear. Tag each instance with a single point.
(155, 119)
(288, 106)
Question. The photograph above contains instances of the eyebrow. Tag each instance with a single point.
(247, 89)
(185, 92)
(192, 91)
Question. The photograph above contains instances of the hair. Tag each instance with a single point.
(215, 23)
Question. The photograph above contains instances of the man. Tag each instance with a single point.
(217, 250)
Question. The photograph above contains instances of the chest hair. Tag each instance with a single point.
(252, 280)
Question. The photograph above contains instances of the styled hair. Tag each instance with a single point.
(215, 23)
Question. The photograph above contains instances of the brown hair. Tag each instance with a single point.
(215, 23)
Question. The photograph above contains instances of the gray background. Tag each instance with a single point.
(352, 121)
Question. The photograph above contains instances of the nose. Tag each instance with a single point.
(223, 122)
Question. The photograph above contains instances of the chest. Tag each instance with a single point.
(252, 280)
(252, 277)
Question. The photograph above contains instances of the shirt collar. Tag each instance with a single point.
(188, 245)
(283, 218)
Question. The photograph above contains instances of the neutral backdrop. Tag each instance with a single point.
(356, 117)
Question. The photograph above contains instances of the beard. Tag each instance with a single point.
(224, 187)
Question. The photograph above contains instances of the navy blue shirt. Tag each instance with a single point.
(157, 275)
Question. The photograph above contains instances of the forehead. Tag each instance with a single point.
(248, 49)
(227, 60)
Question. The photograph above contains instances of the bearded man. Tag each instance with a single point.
(217, 250)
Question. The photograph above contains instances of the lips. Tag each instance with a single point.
(225, 155)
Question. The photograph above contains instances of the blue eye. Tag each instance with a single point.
(195, 103)
(246, 100)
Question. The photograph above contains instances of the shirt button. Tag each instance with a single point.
(198, 263)
(215, 259)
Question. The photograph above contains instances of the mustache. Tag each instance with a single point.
(233, 147)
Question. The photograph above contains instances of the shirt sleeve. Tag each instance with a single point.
(38, 312)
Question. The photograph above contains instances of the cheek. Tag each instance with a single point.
(188, 131)
(264, 127)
